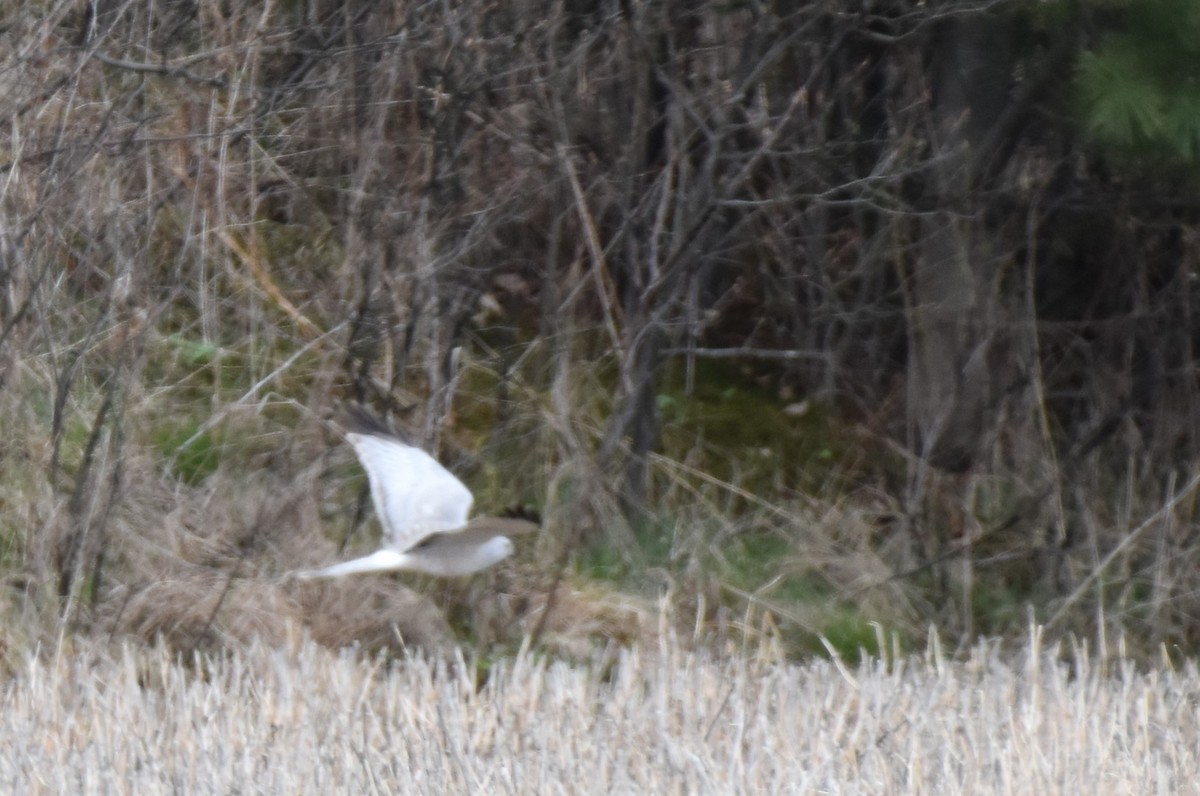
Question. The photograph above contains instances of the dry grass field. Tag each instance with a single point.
(307, 720)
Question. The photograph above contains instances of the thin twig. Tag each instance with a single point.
(1130, 537)
(161, 69)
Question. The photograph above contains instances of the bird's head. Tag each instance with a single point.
(497, 549)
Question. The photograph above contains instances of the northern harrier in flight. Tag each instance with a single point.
(423, 510)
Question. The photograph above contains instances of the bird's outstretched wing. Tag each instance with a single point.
(414, 495)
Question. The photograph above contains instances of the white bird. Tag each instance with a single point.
(423, 510)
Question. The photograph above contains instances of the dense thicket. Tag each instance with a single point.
(918, 223)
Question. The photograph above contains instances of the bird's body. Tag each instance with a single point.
(423, 509)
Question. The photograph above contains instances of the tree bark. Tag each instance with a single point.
(954, 316)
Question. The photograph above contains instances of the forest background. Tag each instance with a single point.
(798, 320)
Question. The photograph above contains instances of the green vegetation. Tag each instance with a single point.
(194, 453)
(790, 324)
(1138, 86)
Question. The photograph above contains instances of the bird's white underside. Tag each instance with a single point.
(469, 562)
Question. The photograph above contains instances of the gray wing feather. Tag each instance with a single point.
(414, 496)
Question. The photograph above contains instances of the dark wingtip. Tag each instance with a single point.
(519, 512)
(357, 419)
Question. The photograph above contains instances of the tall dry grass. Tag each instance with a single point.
(302, 719)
